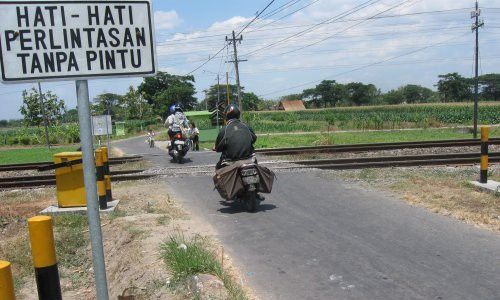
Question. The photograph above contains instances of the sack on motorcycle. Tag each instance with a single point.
(266, 179)
(228, 182)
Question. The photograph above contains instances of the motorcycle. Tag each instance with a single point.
(250, 180)
(178, 147)
(151, 141)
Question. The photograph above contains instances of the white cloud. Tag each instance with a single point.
(166, 19)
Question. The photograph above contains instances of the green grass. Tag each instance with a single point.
(342, 138)
(196, 259)
(208, 135)
(35, 154)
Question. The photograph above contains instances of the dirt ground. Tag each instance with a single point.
(146, 217)
(443, 190)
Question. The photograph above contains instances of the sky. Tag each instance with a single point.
(295, 44)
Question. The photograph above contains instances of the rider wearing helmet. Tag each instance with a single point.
(235, 140)
(176, 121)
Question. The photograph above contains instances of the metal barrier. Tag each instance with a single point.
(6, 282)
(101, 184)
(484, 155)
(44, 258)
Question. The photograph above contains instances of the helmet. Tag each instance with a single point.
(174, 108)
(232, 112)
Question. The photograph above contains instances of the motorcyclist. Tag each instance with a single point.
(176, 121)
(235, 140)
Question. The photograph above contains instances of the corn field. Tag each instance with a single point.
(374, 117)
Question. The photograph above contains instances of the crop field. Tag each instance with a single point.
(373, 117)
(28, 155)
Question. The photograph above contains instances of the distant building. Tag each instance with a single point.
(291, 105)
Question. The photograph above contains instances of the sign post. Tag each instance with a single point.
(52, 40)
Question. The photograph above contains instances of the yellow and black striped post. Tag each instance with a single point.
(44, 258)
(101, 184)
(6, 283)
(484, 155)
(107, 173)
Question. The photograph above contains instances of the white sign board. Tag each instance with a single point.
(101, 125)
(58, 40)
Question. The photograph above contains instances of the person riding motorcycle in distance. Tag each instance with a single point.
(235, 140)
(176, 121)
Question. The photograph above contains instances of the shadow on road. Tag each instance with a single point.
(185, 160)
(236, 207)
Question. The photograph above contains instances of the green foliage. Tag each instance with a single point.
(410, 94)
(32, 110)
(196, 258)
(490, 86)
(163, 90)
(454, 88)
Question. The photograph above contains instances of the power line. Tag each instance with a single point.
(249, 23)
(367, 65)
(338, 16)
(347, 28)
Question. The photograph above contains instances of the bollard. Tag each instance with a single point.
(101, 184)
(44, 258)
(484, 155)
(107, 173)
(6, 283)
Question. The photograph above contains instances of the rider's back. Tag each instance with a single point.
(235, 141)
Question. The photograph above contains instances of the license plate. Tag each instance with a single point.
(179, 142)
(251, 180)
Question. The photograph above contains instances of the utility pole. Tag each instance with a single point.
(233, 41)
(44, 115)
(475, 27)
(218, 100)
(227, 89)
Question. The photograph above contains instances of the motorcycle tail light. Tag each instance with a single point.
(178, 136)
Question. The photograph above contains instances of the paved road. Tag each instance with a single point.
(320, 238)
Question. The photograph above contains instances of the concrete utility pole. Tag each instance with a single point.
(233, 41)
(44, 115)
(475, 27)
(218, 100)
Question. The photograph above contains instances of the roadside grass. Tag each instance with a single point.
(342, 138)
(34, 154)
(442, 190)
(196, 258)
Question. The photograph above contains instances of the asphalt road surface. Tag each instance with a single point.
(316, 237)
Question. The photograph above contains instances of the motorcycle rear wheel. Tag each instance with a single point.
(251, 201)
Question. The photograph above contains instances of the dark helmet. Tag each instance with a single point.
(232, 112)
(178, 108)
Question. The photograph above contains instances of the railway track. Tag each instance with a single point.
(397, 161)
(49, 180)
(375, 147)
(37, 165)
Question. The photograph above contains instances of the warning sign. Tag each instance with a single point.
(44, 40)
(102, 125)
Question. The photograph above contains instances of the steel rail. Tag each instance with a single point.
(374, 147)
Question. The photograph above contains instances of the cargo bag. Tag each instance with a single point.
(266, 179)
(228, 182)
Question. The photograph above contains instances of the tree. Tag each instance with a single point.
(163, 90)
(250, 102)
(490, 86)
(71, 116)
(454, 88)
(416, 94)
(330, 92)
(134, 106)
(311, 97)
(31, 109)
(291, 97)
(361, 94)
(108, 103)
(393, 97)
(211, 95)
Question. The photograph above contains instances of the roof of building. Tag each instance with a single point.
(197, 113)
(292, 105)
